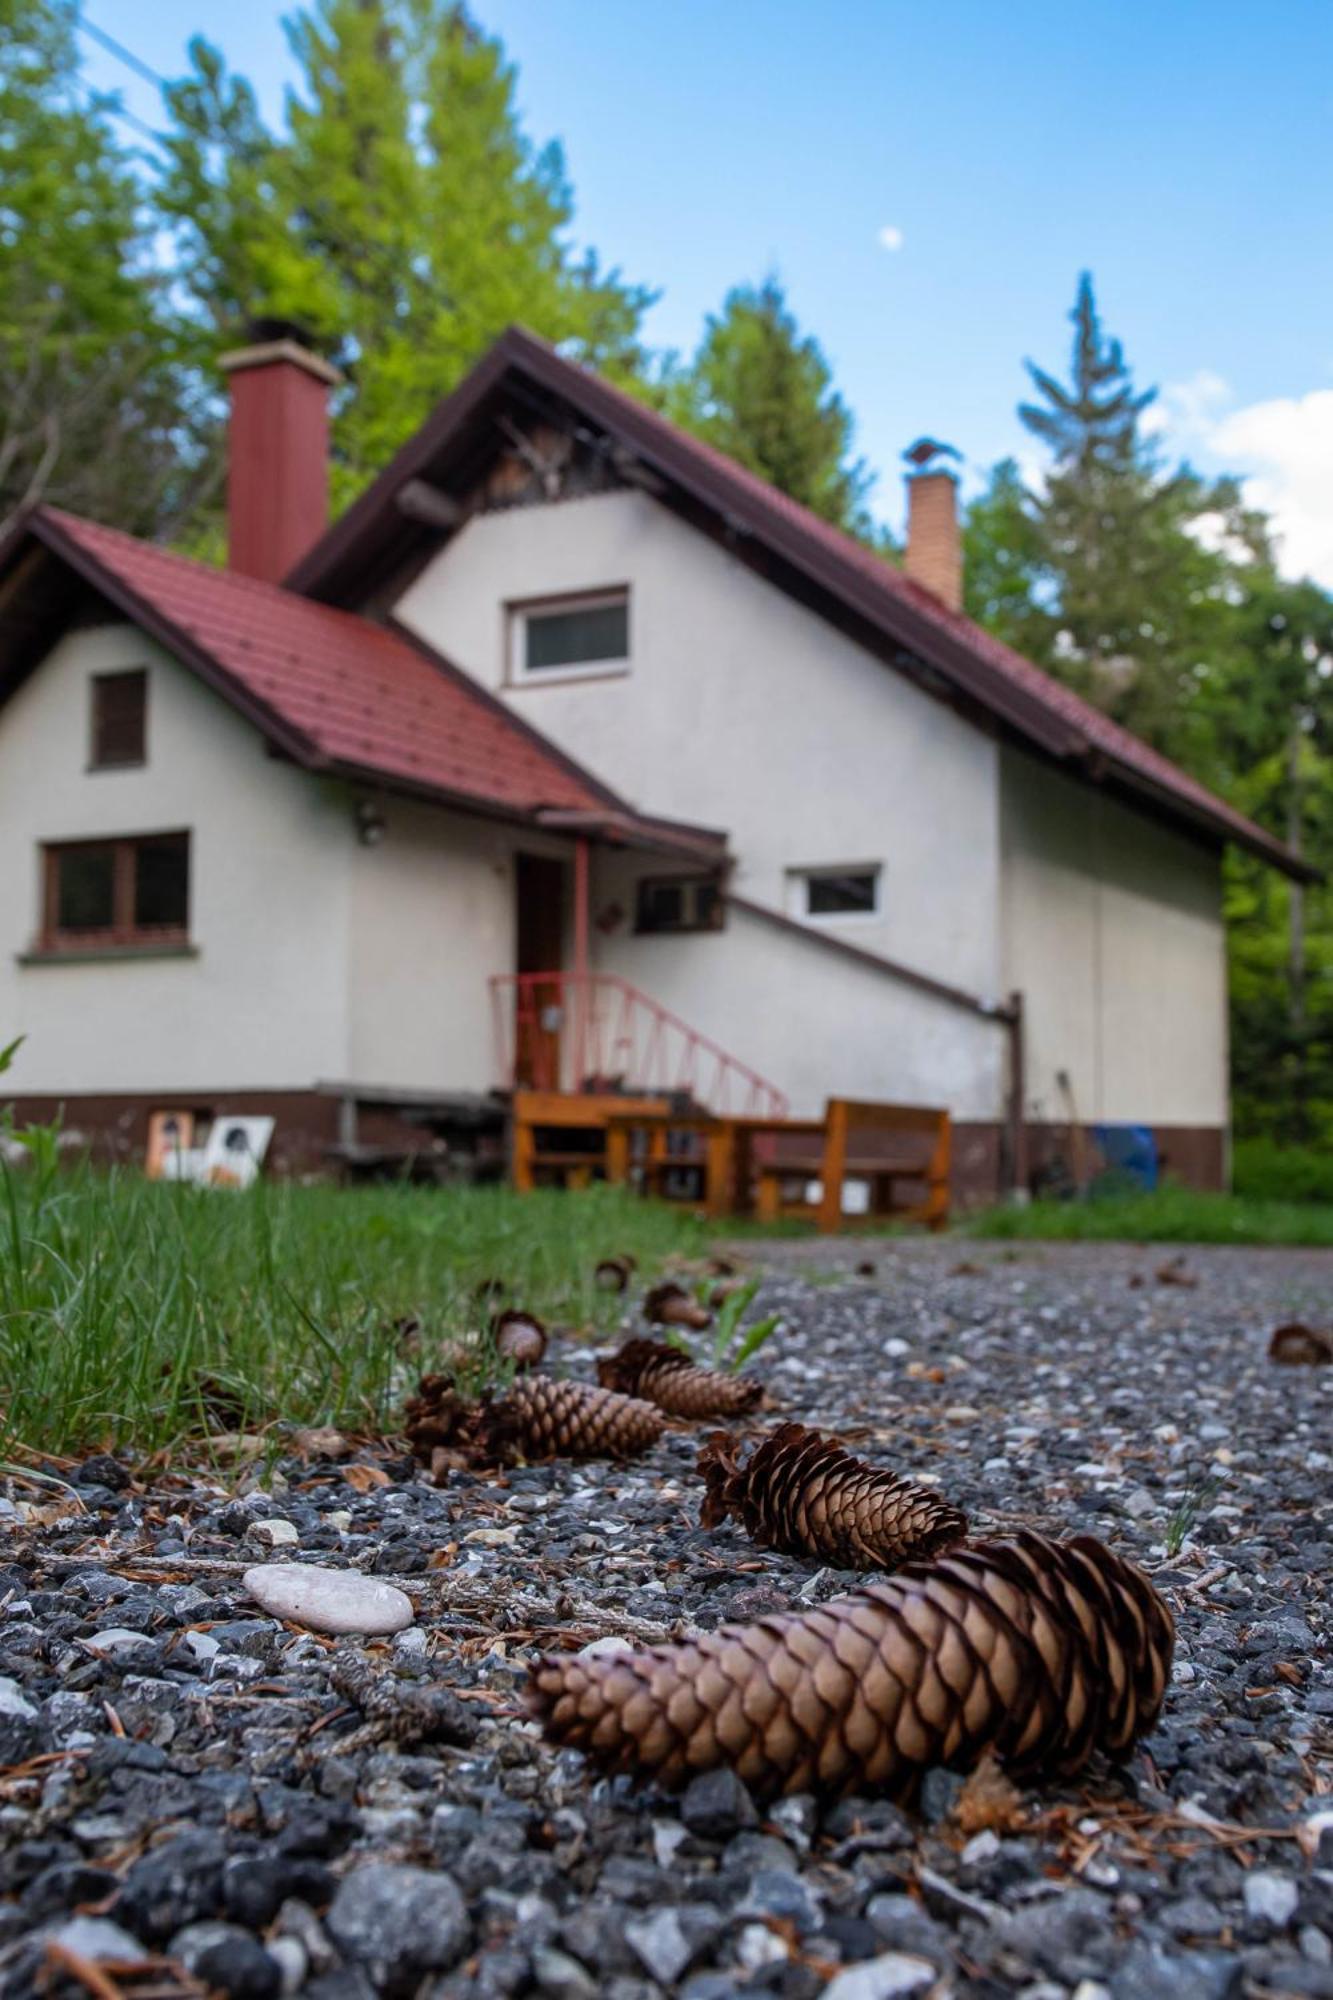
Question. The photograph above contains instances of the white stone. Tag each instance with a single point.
(758, 1946)
(601, 1649)
(493, 1538)
(200, 1645)
(13, 1701)
(277, 1533)
(1271, 1898)
(115, 1639)
(97, 1938)
(982, 1847)
(884, 1978)
(289, 1955)
(329, 1600)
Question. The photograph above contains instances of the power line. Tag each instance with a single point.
(119, 51)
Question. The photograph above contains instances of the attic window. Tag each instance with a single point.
(119, 720)
(824, 893)
(563, 638)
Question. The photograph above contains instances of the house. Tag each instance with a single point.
(572, 748)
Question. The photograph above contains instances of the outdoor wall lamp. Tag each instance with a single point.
(369, 823)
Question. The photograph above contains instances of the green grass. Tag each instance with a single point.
(1173, 1215)
(125, 1304)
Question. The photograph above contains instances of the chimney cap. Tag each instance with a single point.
(270, 339)
(925, 449)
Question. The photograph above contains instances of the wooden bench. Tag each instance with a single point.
(691, 1150)
(545, 1123)
(844, 1156)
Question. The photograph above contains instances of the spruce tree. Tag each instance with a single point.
(95, 410)
(762, 391)
(403, 215)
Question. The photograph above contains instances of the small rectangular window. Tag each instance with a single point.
(109, 893)
(837, 892)
(570, 636)
(119, 720)
(679, 903)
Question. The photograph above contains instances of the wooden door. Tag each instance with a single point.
(539, 949)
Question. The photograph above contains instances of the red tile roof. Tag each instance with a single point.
(337, 691)
(1029, 703)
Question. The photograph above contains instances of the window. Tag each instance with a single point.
(837, 892)
(101, 894)
(679, 903)
(120, 712)
(565, 637)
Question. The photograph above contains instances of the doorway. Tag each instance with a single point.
(539, 887)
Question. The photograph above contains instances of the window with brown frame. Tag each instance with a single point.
(119, 720)
(105, 894)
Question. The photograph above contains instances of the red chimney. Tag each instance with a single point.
(934, 552)
(278, 451)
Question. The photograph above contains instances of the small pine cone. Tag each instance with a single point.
(519, 1337)
(614, 1273)
(669, 1304)
(803, 1494)
(664, 1375)
(542, 1418)
(439, 1418)
(1299, 1346)
(1040, 1652)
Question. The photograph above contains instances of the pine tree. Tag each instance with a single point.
(1272, 717)
(403, 216)
(763, 392)
(1115, 573)
(94, 406)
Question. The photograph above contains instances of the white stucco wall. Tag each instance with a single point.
(1113, 932)
(432, 917)
(743, 710)
(265, 1003)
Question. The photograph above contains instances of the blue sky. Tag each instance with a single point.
(1181, 151)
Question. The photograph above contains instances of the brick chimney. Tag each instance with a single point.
(934, 554)
(278, 450)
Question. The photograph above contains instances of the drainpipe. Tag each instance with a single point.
(580, 961)
(1018, 1131)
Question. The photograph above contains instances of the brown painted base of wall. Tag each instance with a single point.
(1194, 1155)
(306, 1124)
(306, 1131)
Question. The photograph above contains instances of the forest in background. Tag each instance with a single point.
(405, 217)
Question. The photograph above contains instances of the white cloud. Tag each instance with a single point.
(891, 237)
(1283, 450)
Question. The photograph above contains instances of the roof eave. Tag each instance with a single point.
(182, 645)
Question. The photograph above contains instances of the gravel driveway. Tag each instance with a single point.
(186, 1779)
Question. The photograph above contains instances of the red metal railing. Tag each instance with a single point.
(566, 1031)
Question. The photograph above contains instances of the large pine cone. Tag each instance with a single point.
(664, 1375)
(1039, 1651)
(575, 1420)
(803, 1494)
(536, 1418)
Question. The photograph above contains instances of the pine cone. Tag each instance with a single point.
(1041, 1652)
(536, 1418)
(669, 1304)
(803, 1494)
(663, 1375)
(439, 1418)
(575, 1420)
(614, 1273)
(1300, 1346)
(519, 1337)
